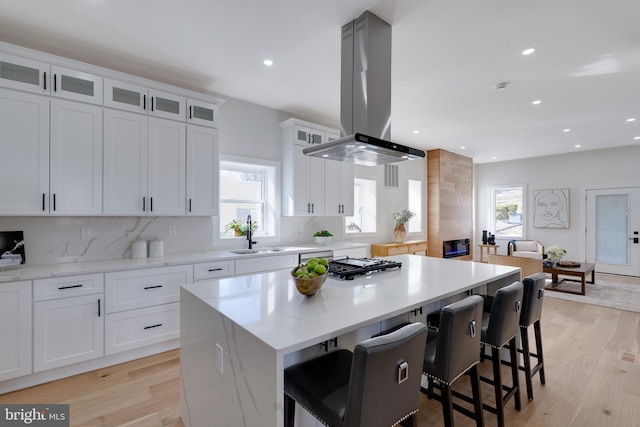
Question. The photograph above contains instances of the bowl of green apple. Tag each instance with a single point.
(310, 277)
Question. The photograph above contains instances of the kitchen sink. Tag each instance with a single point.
(256, 251)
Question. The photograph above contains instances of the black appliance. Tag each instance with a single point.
(456, 248)
(349, 268)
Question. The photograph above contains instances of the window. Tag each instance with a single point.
(364, 207)
(414, 188)
(247, 187)
(507, 211)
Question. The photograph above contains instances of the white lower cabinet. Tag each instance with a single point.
(213, 270)
(15, 329)
(67, 330)
(143, 306)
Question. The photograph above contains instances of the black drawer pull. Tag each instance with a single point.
(216, 269)
(153, 287)
(44, 80)
(153, 326)
(70, 287)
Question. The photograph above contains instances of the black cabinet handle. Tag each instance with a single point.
(55, 82)
(190, 112)
(153, 326)
(144, 102)
(152, 103)
(151, 204)
(54, 202)
(144, 204)
(189, 205)
(70, 287)
(99, 308)
(44, 80)
(313, 209)
(43, 202)
(153, 287)
(216, 269)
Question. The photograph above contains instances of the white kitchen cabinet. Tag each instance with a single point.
(203, 171)
(76, 85)
(24, 123)
(142, 306)
(144, 165)
(139, 99)
(202, 113)
(213, 270)
(67, 331)
(24, 74)
(264, 264)
(339, 180)
(15, 329)
(75, 186)
(305, 184)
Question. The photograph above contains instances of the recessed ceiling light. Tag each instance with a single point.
(325, 155)
(268, 62)
(631, 119)
(577, 146)
(416, 132)
(463, 147)
(529, 51)
(493, 158)
(566, 130)
(636, 137)
(536, 102)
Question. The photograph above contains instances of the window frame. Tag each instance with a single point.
(420, 218)
(271, 170)
(492, 210)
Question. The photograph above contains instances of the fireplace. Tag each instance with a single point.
(456, 248)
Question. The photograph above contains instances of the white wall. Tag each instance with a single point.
(576, 171)
(246, 130)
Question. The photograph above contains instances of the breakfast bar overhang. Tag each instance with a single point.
(238, 334)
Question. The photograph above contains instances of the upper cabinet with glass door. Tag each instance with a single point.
(24, 74)
(202, 113)
(140, 99)
(76, 85)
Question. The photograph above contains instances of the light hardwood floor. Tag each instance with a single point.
(592, 364)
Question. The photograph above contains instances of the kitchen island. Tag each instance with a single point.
(238, 334)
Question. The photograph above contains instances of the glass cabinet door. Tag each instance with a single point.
(202, 113)
(76, 85)
(167, 105)
(125, 96)
(24, 74)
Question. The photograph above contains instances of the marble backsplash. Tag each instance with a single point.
(53, 240)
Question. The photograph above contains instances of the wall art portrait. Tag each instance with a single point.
(551, 208)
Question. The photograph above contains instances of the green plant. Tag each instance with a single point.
(402, 217)
(240, 228)
(323, 233)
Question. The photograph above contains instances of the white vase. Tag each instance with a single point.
(323, 240)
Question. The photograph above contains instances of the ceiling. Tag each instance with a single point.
(448, 57)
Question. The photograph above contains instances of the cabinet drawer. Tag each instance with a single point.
(127, 290)
(418, 247)
(72, 286)
(265, 264)
(213, 270)
(138, 328)
(397, 251)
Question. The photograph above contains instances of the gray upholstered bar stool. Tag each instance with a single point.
(499, 328)
(531, 314)
(453, 350)
(376, 385)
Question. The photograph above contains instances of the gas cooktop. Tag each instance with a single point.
(349, 268)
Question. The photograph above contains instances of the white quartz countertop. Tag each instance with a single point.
(269, 306)
(27, 272)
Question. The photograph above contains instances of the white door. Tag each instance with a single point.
(203, 171)
(613, 230)
(24, 150)
(125, 163)
(167, 165)
(76, 159)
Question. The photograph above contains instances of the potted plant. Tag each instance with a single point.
(240, 228)
(399, 231)
(322, 237)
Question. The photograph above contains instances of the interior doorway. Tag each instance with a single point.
(613, 230)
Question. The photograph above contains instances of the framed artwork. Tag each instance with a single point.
(11, 248)
(551, 208)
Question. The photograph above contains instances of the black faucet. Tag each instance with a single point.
(250, 232)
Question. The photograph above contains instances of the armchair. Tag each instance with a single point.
(526, 249)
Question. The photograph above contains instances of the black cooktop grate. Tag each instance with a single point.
(349, 268)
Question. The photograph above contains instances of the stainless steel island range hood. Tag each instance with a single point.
(365, 100)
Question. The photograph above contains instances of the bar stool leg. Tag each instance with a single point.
(526, 357)
(514, 372)
(477, 396)
(497, 385)
(447, 404)
(538, 334)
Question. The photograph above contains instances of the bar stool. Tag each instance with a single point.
(376, 385)
(499, 328)
(531, 314)
(452, 351)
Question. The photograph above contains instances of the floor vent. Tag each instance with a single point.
(625, 356)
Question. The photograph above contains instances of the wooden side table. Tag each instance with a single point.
(409, 247)
(489, 252)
